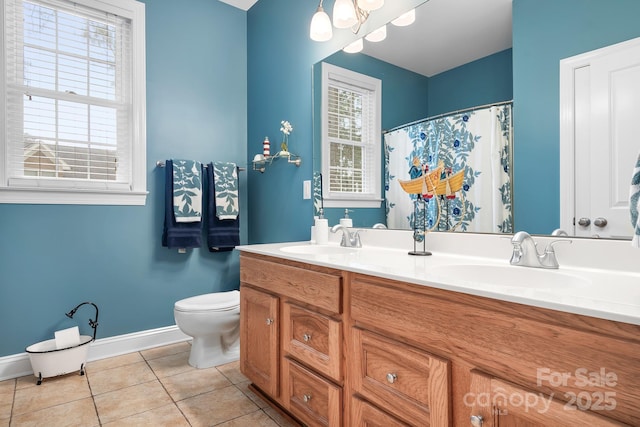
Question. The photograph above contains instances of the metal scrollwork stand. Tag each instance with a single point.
(420, 228)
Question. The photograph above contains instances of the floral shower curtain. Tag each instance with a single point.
(478, 142)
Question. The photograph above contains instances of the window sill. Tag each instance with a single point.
(75, 197)
(351, 203)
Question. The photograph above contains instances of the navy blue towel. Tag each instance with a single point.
(177, 234)
(222, 234)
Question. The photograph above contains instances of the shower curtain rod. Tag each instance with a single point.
(493, 104)
(160, 164)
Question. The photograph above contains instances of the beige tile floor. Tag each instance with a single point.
(154, 387)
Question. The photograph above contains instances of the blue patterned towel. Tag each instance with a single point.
(222, 234)
(177, 235)
(634, 204)
(225, 178)
(187, 191)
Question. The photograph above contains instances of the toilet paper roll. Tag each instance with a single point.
(67, 337)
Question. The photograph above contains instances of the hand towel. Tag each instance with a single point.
(222, 234)
(225, 178)
(187, 190)
(634, 204)
(179, 235)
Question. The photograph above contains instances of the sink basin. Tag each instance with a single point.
(317, 250)
(507, 276)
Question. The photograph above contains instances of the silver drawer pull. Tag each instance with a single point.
(391, 378)
(306, 398)
(306, 337)
(269, 321)
(476, 420)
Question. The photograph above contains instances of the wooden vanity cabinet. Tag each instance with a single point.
(291, 342)
(335, 348)
(511, 364)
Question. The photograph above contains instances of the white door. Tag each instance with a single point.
(600, 106)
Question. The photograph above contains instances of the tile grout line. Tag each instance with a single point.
(165, 389)
(93, 397)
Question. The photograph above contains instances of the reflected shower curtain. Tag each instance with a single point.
(478, 141)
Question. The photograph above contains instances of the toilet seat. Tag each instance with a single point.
(219, 301)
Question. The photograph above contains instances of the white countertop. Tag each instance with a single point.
(591, 289)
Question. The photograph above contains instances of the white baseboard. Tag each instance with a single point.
(18, 365)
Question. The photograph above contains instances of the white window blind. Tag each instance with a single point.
(69, 97)
(351, 139)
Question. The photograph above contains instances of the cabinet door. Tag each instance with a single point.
(497, 403)
(259, 339)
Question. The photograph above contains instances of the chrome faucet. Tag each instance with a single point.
(525, 252)
(349, 240)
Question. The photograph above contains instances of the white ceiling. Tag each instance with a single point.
(446, 34)
(240, 4)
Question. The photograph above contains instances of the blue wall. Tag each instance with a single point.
(484, 81)
(545, 31)
(54, 257)
(280, 58)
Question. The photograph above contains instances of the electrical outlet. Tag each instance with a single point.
(306, 190)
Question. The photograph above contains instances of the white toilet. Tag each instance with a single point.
(213, 320)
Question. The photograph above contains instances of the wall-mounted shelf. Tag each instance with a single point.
(260, 162)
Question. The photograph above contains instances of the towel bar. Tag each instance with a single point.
(160, 164)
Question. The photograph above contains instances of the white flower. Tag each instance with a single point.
(286, 127)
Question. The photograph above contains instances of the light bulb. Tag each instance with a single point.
(354, 47)
(405, 19)
(344, 14)
(370, 5)
(320, 30)
(377, 35)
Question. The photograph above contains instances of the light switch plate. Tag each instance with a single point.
(306, 189)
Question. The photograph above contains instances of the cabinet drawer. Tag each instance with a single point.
(410, 383)
(364, 414)
(312, 399)
(314, 339)
(319, 289)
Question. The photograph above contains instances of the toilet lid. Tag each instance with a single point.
(218, 301)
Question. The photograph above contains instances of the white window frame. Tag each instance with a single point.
(76, 191)
(373, 176)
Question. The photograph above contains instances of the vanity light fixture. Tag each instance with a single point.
(346, 14)
(354, 47)
(405, 19)
(320, 30)
(377, 35)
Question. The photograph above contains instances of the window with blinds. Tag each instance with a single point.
(72, 97)
(351, 137)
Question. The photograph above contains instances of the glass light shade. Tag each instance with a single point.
(320, 30)
(370, 5)
(344, 14)
(377, 35)
(405, 19)
(354, 47)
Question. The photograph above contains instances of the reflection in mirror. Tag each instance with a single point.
(445, 72)
(459, 164)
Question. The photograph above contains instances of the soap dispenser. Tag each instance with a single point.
(322, 229)
(346, 221)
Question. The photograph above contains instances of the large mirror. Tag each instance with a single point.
(452, 68)
(545, 34)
